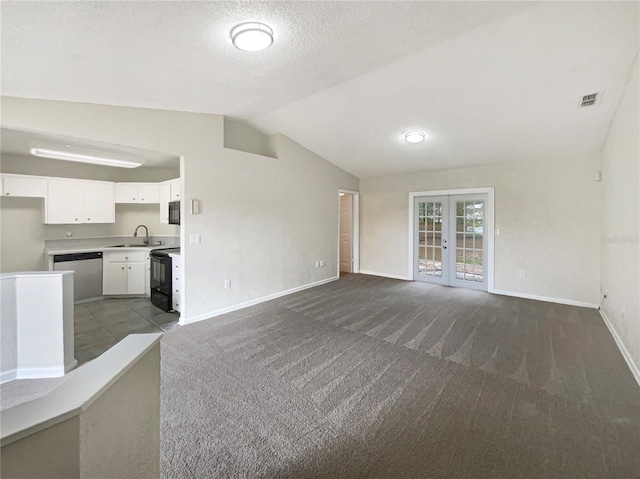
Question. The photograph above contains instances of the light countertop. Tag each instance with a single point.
(55, 251)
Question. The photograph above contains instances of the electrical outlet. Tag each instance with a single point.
(227, 283)
(623, 311)
(523, 273)
(497, 231)
(322, 263)
(317, 264)
(194, 239)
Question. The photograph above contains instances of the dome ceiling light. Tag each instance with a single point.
(414, 136)
(252, 36)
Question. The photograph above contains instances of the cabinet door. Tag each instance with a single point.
(127, 193)
(176, 270)
(175, 189)
(165, 197)
(149, 192)
(114, 278)
(25, 186)
(65, 202)
(147, 277)
(99, 203)
(135, 278)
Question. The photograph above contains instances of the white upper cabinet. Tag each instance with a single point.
(24, 186)
(99, 203)
(149, 192)
(65, 202)
(72, 201)
(79, 201)
(137, 193)
(175, 189)
(169, 191)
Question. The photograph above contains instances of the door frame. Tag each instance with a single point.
(489, 221)
(355, 231)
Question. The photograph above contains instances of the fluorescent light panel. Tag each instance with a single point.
(83, 158)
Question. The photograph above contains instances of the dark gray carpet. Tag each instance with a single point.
(371, 377)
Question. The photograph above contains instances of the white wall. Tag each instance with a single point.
(8, 329)
(104, 421)
(21, 234)
(37, 325)
(264, 221)
(621, 217)
(548, 213)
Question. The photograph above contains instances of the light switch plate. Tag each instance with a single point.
(194, 239)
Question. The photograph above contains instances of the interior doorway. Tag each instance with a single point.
(451, 236)
(348, 232)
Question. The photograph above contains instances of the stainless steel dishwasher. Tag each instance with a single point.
(87, 268)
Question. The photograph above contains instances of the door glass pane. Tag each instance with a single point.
(429, 224)
(437, 262)
(422, 263)
(421, 239)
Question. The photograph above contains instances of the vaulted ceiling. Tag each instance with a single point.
(488, 82)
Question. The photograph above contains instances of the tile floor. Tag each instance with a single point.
(101, 324)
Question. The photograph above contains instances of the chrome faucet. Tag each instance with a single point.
(146, 236)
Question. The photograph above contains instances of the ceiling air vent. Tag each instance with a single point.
(591, 99)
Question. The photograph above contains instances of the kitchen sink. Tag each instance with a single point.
(129, 246)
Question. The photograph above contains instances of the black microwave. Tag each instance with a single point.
(174, 212)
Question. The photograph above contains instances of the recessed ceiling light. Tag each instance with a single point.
(252, 36)
(84, 158)
(414, 136)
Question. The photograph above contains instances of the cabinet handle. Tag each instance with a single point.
(126, 257)
(88, 219)
(134, 198)
(141, 199)
(129, 267)
(7, 194)
(122, 268)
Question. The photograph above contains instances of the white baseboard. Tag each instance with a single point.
(235, 307)
(623, 349)
(548, 299)
(71, 365)
(7, 376)
(385, 275)
(34, 373)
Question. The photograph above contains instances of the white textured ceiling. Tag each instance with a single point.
(489, 81)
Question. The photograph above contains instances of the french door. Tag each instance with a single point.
(449, 240)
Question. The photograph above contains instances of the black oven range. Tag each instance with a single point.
(160, 279)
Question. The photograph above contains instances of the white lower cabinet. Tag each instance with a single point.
(176, 272)
(124, 272)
